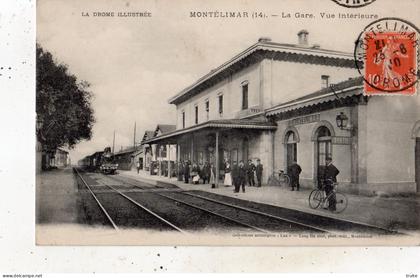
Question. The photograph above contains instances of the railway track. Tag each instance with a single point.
(328, 223)
(135, 183)
(253, 220)
(259, 221)
(148, 194)
(223, 211)
(116, 191)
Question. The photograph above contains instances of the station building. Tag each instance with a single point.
(125, 158)
(283, 102)
(159, 158)
(146, 150)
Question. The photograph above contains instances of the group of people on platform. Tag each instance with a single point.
(194, 172)
(237, 175)
(241, 174)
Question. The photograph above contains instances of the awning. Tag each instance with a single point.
(345, 89)
(217, 124)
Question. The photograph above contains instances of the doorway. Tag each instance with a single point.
(141, 163)
(291, 148)
(417, 163)
(323, 149)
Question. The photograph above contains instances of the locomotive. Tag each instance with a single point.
(108, 167)
(100, 161)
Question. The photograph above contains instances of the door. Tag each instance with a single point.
(291, 151)
(291, 148)
(141, 163)
(324, 149)
(417, 163)
(245, 150)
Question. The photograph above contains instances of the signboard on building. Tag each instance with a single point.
(341, 140)
(304, 120)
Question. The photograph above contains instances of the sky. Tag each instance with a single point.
(135, 64)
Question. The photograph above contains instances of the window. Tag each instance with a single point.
(207, 109)
(196, 114)
(325, 81)
(183, 119)
(221, 104)
(245, 96)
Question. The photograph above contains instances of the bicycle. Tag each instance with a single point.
(317, 198)
(279, 179)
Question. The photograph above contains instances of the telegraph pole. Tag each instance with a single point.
(134, 140)
(113, 143)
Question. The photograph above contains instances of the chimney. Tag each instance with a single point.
(303, 37)
(264, 39)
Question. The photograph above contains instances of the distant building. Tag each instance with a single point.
(274, 101)
(146, 150)
(125, 158)
(163, 156)
(58, 159)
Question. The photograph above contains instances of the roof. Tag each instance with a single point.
(127, 150)
(268, 49)
(164, 128)
(148, 134)
(97, 153)
(231, 123)
(350, 87)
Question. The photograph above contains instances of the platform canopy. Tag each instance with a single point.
(213, 125)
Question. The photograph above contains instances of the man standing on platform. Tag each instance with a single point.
(138, 166)
(250, 169)
(294, 171)
(186, 171)
(205, 173)
(330, 177)
(259, 170)
(235, 177)
(241, 176)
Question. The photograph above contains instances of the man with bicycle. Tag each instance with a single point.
(330, 177)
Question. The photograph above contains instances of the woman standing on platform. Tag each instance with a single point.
(228, 175)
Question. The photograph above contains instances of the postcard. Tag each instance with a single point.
(240, 123)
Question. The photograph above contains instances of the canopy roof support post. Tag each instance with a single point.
(217, 158)
(160, 159)
(192, 149)
(178, 159)
(178, 152)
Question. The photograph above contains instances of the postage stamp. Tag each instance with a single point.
(386, 55)
(353, 3)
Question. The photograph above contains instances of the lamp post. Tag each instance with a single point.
(342, 120)
(342, 123)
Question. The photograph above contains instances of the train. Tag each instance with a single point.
(101, 161)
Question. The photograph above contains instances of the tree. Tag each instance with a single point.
(63, 104)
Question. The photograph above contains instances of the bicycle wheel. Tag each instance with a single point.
(341, 202)
(284, 180)
(272, 181)
(287, 180)
(315, 198)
